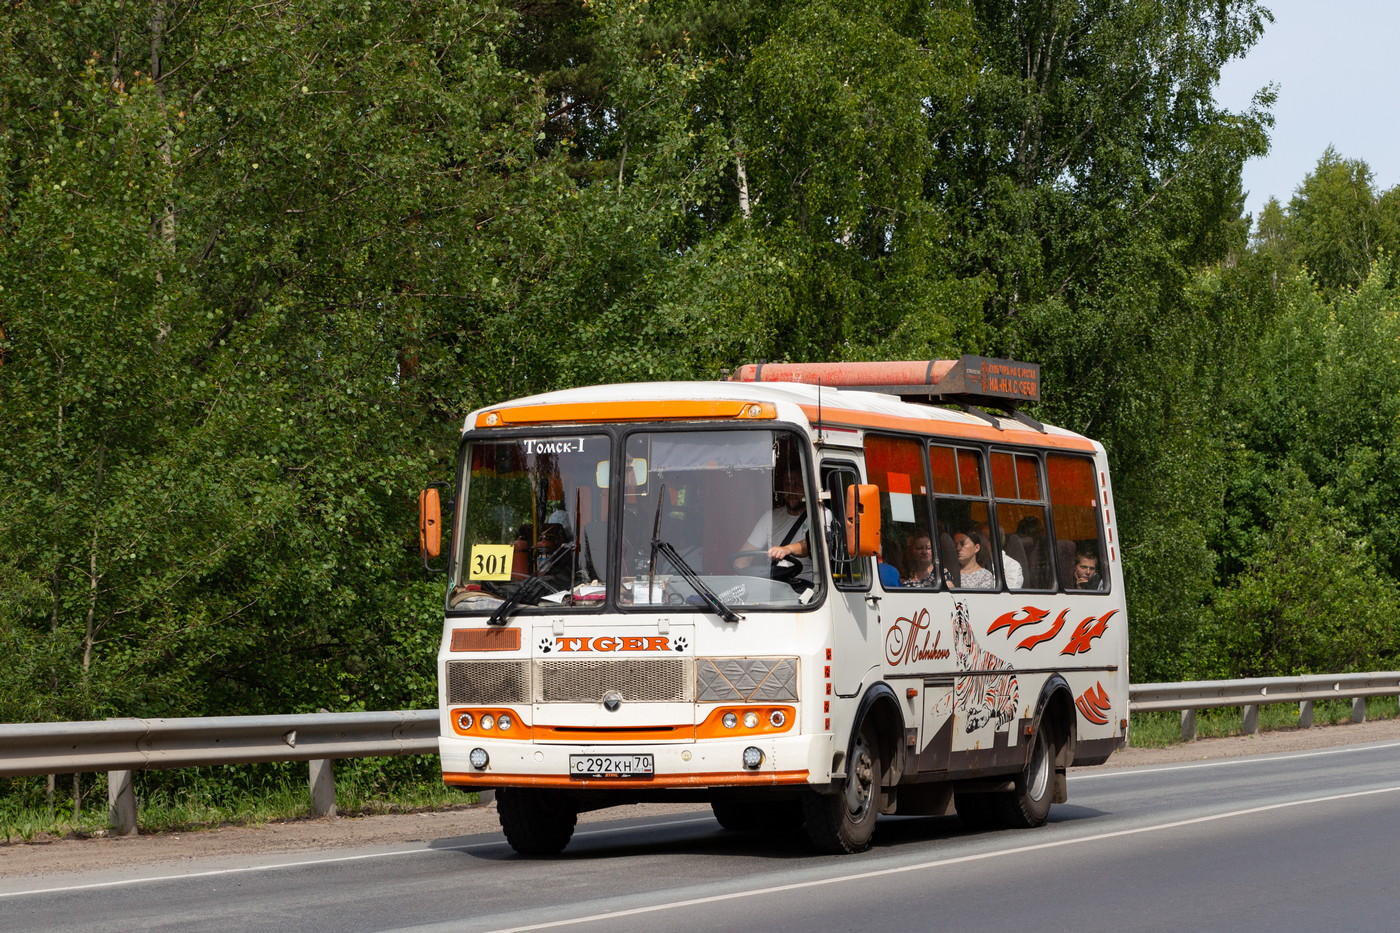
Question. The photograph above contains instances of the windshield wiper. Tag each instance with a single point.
(688, 573)
(525, 590)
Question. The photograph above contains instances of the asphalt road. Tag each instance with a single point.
(1289, 842)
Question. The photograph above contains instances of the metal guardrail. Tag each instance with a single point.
(1305, 690)
(148, 744)
(123, 746)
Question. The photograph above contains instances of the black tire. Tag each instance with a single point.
(536, 822)
(752, 816)
(845, 821)
(1028, 805)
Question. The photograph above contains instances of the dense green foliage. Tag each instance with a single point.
(257, 260)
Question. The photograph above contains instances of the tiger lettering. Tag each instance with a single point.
(982, 698)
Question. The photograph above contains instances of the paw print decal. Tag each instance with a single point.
(546, 645)
(680, 644)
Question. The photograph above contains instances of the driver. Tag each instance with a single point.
(783, 532)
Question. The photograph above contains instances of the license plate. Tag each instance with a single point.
(605, 765)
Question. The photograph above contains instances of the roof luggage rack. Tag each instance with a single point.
(973, 383)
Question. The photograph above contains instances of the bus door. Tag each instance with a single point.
(916, 609)
(855, 604)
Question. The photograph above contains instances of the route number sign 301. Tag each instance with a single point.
(490, 562)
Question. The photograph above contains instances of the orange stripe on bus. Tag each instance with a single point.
(709, 779)
(834, 417)
(651, 410)
(581, 734)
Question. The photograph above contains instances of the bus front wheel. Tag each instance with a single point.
(536, 821)
(844, 822)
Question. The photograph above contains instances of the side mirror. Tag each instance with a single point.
(430, 523)
(863, 520)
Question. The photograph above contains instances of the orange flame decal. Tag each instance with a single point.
(1011, 623)
(1094, 705)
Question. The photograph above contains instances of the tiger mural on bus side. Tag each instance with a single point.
(982, 698)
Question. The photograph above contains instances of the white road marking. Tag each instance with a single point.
(596, 832)
(1227, 762)
(213, 873)
(942, 863)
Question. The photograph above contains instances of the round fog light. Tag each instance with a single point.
(730, 720)
(504, 722)
(480, 759)
(753, 757)
(750, 720)
(464, 721)
(777, 719)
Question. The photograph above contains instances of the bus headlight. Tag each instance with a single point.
(504, 722)
(487, 721)
(730, 720)
(751, 720)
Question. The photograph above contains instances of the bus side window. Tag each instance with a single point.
(962, 509)
(1026, 551)
(845, 570)
(1080, 555)
(896, 467)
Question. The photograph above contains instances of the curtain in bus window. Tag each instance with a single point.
(896, 467)
(1027, 553)
(943, 465)
(962, 514)
(1074, 505)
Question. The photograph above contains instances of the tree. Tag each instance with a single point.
(1335, 222)
(246, 248)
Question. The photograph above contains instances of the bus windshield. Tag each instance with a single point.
(675, 518)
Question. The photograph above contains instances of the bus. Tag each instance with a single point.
(806, 594)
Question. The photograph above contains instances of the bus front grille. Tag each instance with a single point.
(487, 682)
(647, 680)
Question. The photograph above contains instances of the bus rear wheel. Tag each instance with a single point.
(844, 822)
(536, 821)
(1028, 805)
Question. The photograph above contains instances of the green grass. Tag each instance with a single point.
(204, 799)
(1158, 730)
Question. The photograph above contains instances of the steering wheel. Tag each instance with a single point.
(782, 570)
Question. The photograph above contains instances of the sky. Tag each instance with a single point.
(1336, 64)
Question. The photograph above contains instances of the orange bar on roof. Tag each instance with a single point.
(896, 373)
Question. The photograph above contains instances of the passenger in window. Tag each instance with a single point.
(1031, 531)
(971, 574)
(889, 574)
(1086, 569)
(919, 568)
(1010, 565)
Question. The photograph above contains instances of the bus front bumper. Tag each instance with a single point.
(786, 760)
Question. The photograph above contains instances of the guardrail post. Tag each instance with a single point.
(121, 803)
(1251, 719)
(1188, 725)
(1305, 714)
(1358, 709)
(323, 787)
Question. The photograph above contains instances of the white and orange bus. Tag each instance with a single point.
(807, 595)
